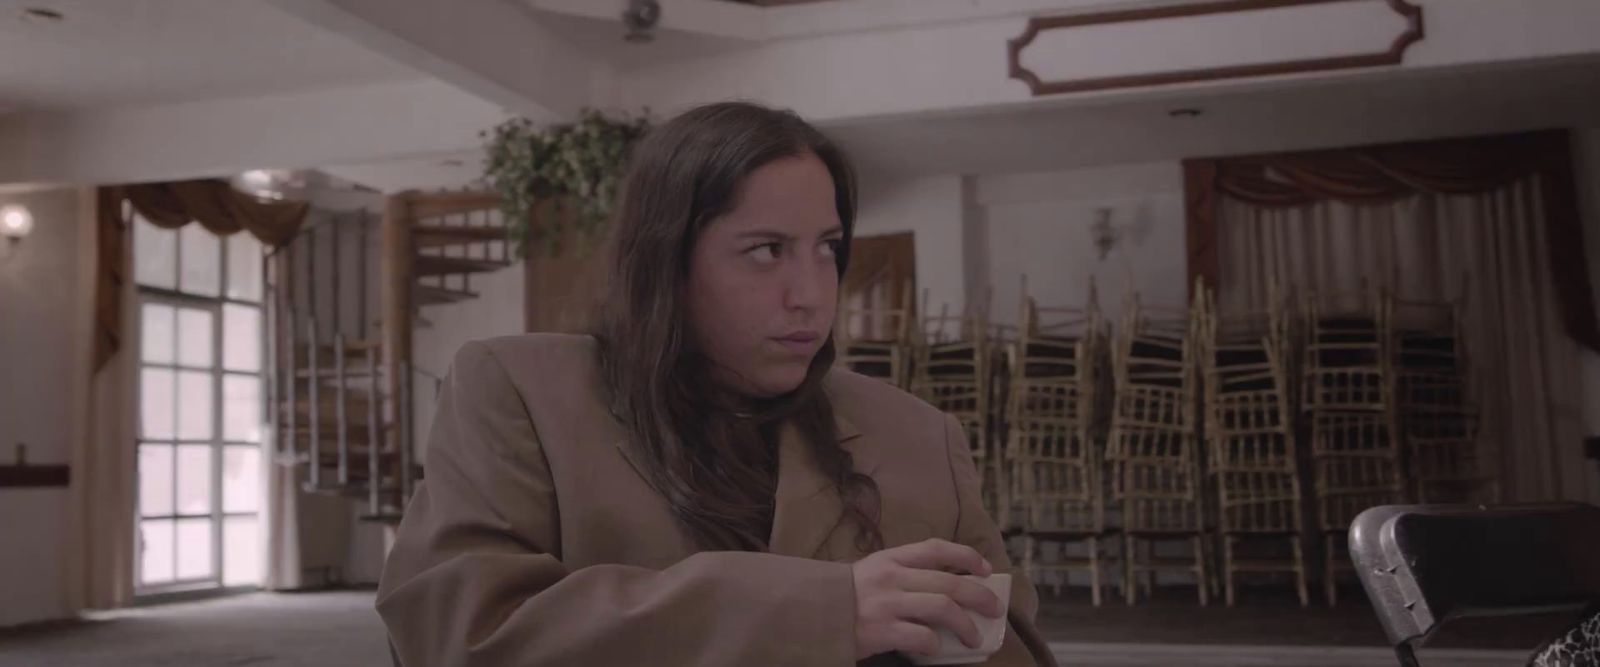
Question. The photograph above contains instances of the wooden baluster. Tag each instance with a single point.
(314, 477)
(340, 417)
(375, 448)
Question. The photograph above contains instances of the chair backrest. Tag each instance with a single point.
(1423, 565)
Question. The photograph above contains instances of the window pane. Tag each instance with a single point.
(155, 480)
(241, 551)
(194, 405)
(156, 334)
(155, 403)
(202, 261)
(241, 479)
(155, 556)
(244, 267)
(194, 338)
(194, 479)
(241, 408)
(241, 338)
(194, 549)
(155, 255)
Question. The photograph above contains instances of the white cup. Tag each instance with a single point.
(993, 630)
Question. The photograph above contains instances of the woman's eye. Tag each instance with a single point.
(766, 252)
(830, 247)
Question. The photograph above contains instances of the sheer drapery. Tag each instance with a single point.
(212, 203)
(1374, 175)
(102, 501)
(1490, 251)
(103, 496)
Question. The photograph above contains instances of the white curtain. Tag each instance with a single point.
(101, 501)
(1488, 251)
(283, 569)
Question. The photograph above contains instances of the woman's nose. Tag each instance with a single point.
(805, 282)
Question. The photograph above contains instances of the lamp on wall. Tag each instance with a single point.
(15, 224)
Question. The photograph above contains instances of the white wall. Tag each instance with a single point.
(933, 210)
(977, 236)
(1040, 226)
(444, 328)
(43, 366)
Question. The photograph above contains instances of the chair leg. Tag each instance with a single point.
(1407, 656)
(1060, 571)
(1147, 554)
(1227, 567)
(1028, 565)
(1330, 589)
(1300, 570)
(1120, 565)
(1129, 555)
(1094, 569)
(1213, 563)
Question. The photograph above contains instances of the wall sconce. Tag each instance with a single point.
(15, 224)
(1106, 235)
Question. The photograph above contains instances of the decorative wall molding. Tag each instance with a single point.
(1222, 15)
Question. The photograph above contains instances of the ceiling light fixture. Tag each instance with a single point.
(641, 17)
(41, 15)
(1187, 112)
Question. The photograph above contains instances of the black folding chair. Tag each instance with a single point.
(1423, 565)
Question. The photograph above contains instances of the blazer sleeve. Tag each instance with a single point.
(1023, 646)
(475, 576)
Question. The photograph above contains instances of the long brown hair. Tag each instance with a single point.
(716, 466)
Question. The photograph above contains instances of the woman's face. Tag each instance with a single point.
(762, 279)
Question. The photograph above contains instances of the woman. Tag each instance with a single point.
(693, 485)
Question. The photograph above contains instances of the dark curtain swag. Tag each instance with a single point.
(1385, 173)
(212, 203)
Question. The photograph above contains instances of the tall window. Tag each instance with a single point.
(200, 409)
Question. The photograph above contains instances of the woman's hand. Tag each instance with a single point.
(903, 593)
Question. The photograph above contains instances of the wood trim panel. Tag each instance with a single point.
(1396, 54)
(31, 476)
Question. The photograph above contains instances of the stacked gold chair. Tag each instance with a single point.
(878, 342)
(1348, 400)
(1438, 416)
(1154, 446)
(1053, 447)
(1002, 342)
(951, 371)
(1252, 462)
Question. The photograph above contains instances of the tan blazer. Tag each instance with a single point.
(534, 541)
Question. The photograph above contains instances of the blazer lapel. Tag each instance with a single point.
(809, 509)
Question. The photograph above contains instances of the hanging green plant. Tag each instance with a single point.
(578, 165)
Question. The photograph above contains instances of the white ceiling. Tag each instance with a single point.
(602, 39)
(1295, 116)
(139, 52)
(1139, 129)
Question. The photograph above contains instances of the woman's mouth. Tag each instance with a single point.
(799, 341)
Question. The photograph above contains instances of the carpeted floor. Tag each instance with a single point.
(340, 629)
(1267, 616)
(260, 630)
